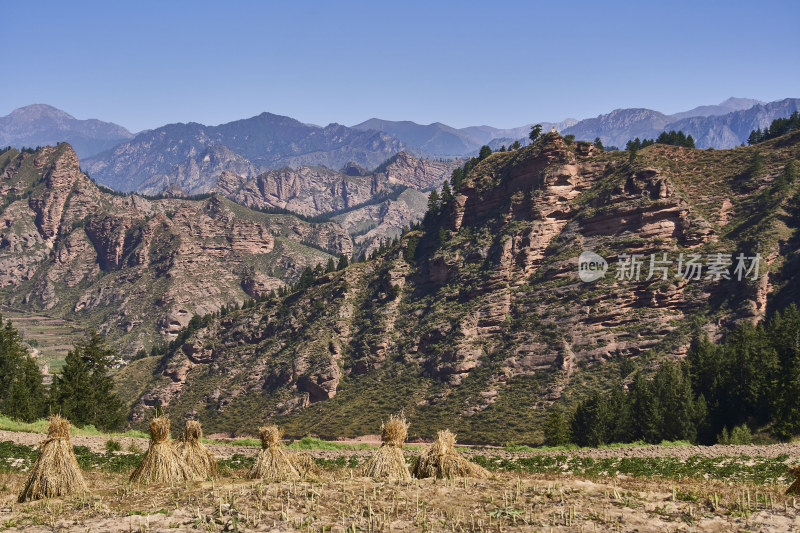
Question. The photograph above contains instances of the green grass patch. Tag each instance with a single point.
(741, 469)
(41, 426)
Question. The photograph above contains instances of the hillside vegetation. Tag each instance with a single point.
(136, 269)
(478, 320)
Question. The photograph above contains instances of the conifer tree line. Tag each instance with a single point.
(719, 393)
(83, 392)
(672, 138)
(779, 126)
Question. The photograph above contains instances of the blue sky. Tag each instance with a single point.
(144, 64)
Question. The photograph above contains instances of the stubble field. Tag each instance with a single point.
(682, 488)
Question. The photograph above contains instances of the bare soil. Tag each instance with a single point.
(98, 445)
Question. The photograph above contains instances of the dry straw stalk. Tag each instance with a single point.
(388, 461)
(201, 462)
(162, 463)
(441, 460)
(273, 463)
(56, 472)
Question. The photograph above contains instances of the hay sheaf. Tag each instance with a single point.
(273, 463)
(162, 463)
(441, 460)
(56, 472)
(198, 458)
(304, 463)
(388, 461)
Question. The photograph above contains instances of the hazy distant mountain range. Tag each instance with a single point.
(443, 140)
(715, 129)
(190, 157)
(41, 125)
(266, 140)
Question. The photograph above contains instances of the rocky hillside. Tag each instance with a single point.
(315, 191)
(138, 269)
(197, 175)
(481, 322)
(371, 206)
(41, 125)
(176, 153)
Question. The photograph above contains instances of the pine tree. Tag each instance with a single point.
(22, 395)
(433, 204)
(536, 131)
(331, 266)
(84, 392)
(644, 409)
(343, 262)
(590, 422)
(446, 194)
(556, 429)
(456, 178)
(598, 143)
(484, 152)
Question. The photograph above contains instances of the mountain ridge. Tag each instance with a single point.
(479, 320)
(266, 140)
(134, 268)
(42, 124)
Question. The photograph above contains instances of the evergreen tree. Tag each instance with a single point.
(556, 429)
(83, 392)
(343, 262)
(484, 152)
(779, 126)
(22, 395)
(536, 131)
(645, 411)
(306, 279)
(331, 266)
(433, 205)
(590, 422)
(516, 145)
(598, 143)
(456, 178)
(788, 176)
(446, 194)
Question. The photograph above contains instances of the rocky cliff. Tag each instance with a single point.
(138, 269)
(371, 206)
(482, 321)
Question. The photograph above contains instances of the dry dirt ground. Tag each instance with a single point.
(338, 502)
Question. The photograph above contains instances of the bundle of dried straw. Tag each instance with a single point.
(56, 471)
(198, 458)
(162, 463)
(273, 463)
(441, 460)
(388, 461)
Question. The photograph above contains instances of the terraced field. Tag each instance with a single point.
(49, 338)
